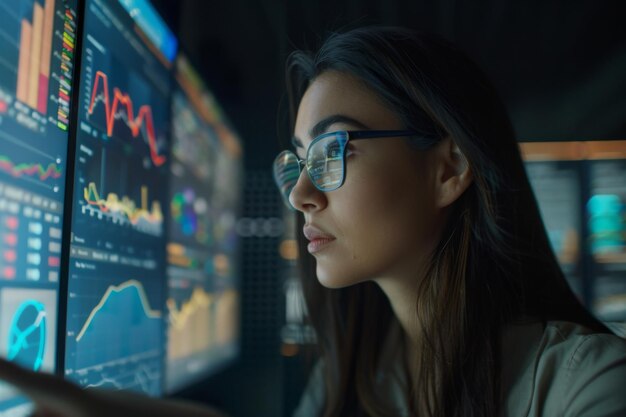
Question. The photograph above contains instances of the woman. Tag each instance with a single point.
(436, 222)
(427, 272)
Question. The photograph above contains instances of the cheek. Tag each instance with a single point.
(398, 211)
(396, 193)
(390, 217)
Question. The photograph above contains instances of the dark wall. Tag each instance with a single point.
(558, 65)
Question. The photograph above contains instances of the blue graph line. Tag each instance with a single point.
(23, 340)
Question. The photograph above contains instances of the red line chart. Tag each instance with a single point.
(143, 118)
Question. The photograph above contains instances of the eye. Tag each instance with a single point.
(332, 150)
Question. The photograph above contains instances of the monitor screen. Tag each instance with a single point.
(581, 190)
(36, 67)
(202, 252)
(555, 173)
(116, 278)
(605, 216)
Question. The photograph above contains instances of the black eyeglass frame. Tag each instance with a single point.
(344, 136)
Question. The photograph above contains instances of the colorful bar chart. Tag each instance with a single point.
(67, 56)
(33, 74)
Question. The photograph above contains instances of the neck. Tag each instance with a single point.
(402, 298)
(401, 288)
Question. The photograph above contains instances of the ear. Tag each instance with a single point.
(453, 173)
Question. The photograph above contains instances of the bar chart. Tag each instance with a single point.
(33, 73)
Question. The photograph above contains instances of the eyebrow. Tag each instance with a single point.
(321, 127)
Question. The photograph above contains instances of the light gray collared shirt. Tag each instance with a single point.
(563, 369)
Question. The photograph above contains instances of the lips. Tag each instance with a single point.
(318, 238)
(313, 233)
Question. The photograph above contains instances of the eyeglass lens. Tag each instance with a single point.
(286, 173)
(324, 165)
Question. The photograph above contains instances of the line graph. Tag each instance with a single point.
(41, 171)
(141, 379)
(114, 334)
(191, 327)
(121, 109)
(124, 211)
(110, 301)
(199, 300)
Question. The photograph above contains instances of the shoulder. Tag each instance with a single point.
(594, 372)
(579, 352)
(572, 371)
(580, 347)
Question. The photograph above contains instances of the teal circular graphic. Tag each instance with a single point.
(27, 335)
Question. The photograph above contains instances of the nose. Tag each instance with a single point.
(305, 197)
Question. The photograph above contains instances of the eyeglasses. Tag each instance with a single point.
(326, 159)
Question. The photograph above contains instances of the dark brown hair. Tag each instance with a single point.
(494, 264)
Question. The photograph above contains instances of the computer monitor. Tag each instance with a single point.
(205, 192)
(581, 190)
(116, 277)
(37, 39)
(555, 173)
(605, 218)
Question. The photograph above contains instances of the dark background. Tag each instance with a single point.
(560, 67)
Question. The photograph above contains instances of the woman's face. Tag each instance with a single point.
(382, 223)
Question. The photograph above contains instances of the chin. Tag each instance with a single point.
(335, 278)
